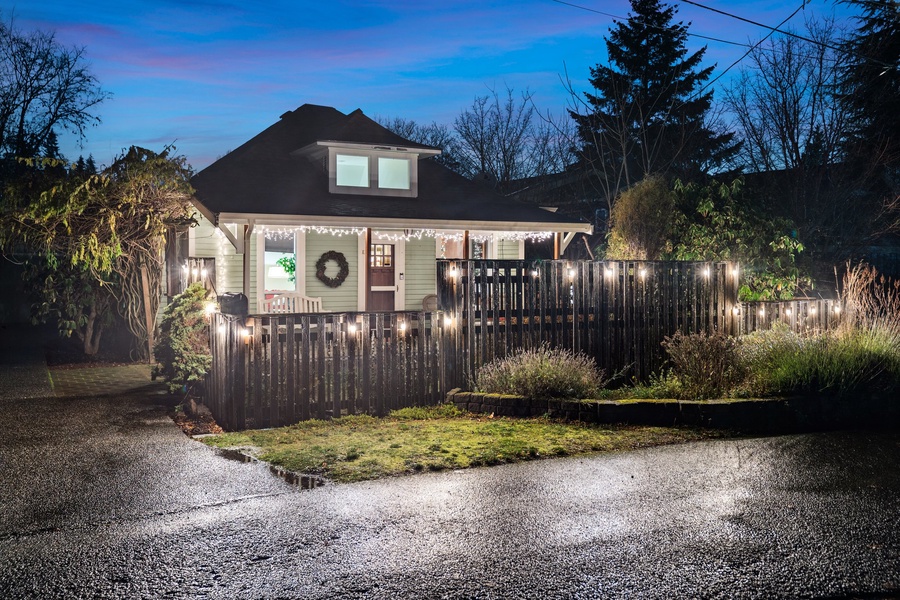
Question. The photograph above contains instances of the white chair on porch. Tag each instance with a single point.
(290, 302)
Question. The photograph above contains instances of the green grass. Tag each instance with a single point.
(412, 440)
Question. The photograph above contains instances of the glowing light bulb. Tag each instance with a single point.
(351, 328)
(448, 321)
(643, 273)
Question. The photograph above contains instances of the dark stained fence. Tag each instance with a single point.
(617, 312)
(272, 370)
(801, 316)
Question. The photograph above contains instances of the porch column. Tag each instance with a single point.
(245, 256)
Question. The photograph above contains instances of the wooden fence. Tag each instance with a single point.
(801, 315)
(271, 370)
(617, 312)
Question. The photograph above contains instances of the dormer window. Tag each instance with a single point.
(351, 171)
(368, 169)
(374, 170)
(394, 173)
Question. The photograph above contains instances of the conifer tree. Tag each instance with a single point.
(871, 92)
(648, 113)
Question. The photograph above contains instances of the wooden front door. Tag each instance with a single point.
(381, 278)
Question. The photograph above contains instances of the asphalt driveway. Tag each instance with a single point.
(105, 497)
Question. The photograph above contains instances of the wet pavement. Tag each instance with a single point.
(103, 497)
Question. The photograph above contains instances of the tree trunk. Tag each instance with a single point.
(148, 316)
(92, 332)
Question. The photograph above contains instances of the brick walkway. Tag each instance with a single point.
(104, 381)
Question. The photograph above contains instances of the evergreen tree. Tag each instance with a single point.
(648, 114)
(51, 146)
(871, 92)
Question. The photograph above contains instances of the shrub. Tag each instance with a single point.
(768, 356)
(870, 299)
(541, 373)
(705, 365)
(182, 348)
(834, 362)
(641, 221)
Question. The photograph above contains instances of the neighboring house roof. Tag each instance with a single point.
(269, 179)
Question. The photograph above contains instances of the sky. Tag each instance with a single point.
(208, 75)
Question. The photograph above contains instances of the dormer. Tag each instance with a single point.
(368, 169)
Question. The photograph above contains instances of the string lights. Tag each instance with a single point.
(531, 236)
(282, 233)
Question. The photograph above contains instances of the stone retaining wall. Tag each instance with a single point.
(779, 415)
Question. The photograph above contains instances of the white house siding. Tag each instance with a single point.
(420, 272)
(509, 250)
(343, 297)
(208, 242)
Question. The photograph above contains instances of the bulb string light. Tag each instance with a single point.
(281, 233)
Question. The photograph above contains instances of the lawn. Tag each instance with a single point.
(411, 440)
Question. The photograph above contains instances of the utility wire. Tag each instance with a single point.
(750, 49)
(784, 32)
(606, 14)
(697, 35)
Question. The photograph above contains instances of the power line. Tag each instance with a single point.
(606, 14)
(750, 49)
(776, 29)
(784, 32)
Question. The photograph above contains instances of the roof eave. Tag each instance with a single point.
(400, 223)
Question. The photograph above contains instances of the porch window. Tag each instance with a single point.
(280, 265)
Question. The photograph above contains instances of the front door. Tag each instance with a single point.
(381, 278)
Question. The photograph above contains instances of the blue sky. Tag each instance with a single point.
(207, 75)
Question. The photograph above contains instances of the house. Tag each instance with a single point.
(358, 212)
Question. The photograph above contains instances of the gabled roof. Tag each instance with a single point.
(267, 178)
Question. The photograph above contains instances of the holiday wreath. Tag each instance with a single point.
(343, 268)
